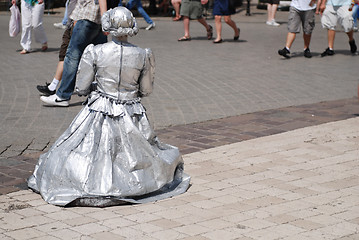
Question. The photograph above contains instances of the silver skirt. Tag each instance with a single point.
(109, 155)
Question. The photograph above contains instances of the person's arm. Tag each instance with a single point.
(321, 6)
(86, 72)
(147, 75)
(103, 6)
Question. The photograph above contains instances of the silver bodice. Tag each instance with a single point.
(122, 71)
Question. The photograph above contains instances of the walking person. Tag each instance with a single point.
(87, 30)
(301, 14)
(32, 12)
(334, 11)
(192, 9)
(142, 11)
(223, 8)
(110, 154)
(272, 7)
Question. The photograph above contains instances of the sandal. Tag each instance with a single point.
(24, 51)
(184, 38)
(210, 32)
(177, 18)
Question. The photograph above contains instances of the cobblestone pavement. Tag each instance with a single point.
(195, 81)
(271, 144)
(301, 184)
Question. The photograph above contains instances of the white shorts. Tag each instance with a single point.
(337, 14)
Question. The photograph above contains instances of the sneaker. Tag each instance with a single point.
(327, 52)
(54, 100)
(59, 25)
(45, 89)
(353, 46)
(272, 23)
(307, 53)
(284, 52)
(149, 27)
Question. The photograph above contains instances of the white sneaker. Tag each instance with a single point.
(272, 23)
(59, 25)
(54, 100)
(149, 27)
(275, 24)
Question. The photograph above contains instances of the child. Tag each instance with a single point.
(110, 154)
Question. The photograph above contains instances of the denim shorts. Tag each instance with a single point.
(298, 19)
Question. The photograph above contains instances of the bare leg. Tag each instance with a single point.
(228, 20)
(59, 70)
(176, 6)
(204, 23)
(350, 35)
(306, 38)
(290, 40)
(217, 20)
(271, 10)
(186, 26)
(331, 37)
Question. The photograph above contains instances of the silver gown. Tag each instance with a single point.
(110, 155)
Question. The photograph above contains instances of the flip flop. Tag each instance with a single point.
(177, 18)
(184, 38)
(24, 51)
(44, 47)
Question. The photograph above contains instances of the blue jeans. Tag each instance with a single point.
(140, 9)
(84, 33)
(65, 19)
(355, 14)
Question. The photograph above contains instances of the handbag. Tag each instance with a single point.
(15, 21)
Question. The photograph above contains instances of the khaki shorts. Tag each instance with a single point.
(337, 14)
(297, 18)
(192, 9)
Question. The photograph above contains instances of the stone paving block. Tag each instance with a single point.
(216, 224)
(90, 228)
(50, 227)
(221, 234)
(167, 224)
(118, 222)
(62, 215)
(66, 234)
(106, 235)
(192, 230)
(27, 233)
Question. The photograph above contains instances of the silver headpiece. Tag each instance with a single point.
(119, 22)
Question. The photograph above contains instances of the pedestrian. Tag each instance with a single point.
(192, 9)
(223, 8)
(272, 7)
(32, 12)
(334, 11)
(138, 4)
(301, 14)
(110, 155)
(50, 88)
(87, 15)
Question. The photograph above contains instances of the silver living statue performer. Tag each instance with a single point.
(110, 155)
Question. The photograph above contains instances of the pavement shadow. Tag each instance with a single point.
(38, 50)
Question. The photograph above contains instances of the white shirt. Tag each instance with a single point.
(302, 5)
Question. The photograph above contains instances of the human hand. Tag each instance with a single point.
(40, 1)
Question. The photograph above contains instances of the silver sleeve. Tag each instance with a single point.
(148, 73)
